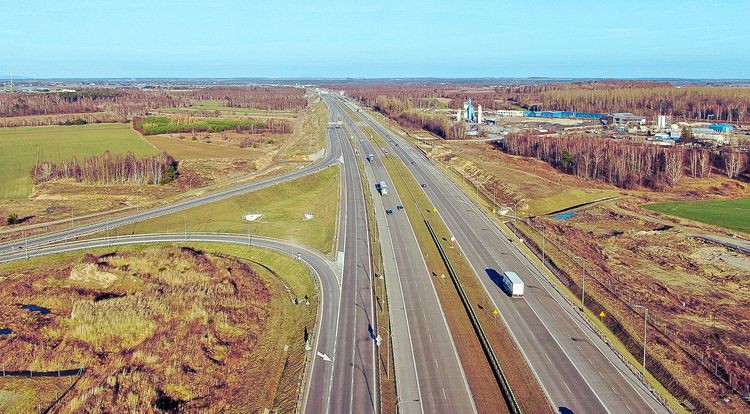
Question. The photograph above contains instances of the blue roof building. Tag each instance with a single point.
(721, 127)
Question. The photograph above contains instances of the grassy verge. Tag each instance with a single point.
(481, 379)
(159, 323)
(730, 214)
(564, 263)
(283, 207)
(309, 133)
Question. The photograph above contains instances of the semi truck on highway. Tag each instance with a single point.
(382, 187)
(512, 284)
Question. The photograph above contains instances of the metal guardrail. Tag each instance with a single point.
(502, 380)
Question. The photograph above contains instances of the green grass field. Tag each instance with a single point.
(730, 214)
(20, 147)
(283, 207)
(154, 125)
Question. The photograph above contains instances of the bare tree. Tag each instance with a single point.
(673, 165)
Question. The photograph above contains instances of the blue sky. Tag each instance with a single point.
(222, 38)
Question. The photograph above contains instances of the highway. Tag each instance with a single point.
(354, 388)
(320, 372)
(576, 369)
(333, 153)
(429, 375)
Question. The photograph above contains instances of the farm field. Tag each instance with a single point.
(20, 147)
(162, 327)
(226, 110)
(730, 214)
(183, 149)
(283, 207)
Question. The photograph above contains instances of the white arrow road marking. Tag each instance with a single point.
(324, 356)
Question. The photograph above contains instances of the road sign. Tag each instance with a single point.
(495, 311)
(602, 314)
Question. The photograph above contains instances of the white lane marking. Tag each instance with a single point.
(566, 386)
(547, 356)
(445, 397)
(436, 364)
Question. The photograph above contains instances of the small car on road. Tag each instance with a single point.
(389, 212)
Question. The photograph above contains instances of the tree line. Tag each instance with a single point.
(626, 164)
(404, 114)
(686, 102)
(128, 102)
(108, 168)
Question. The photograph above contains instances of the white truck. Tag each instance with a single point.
(512, 284)
(382, 187)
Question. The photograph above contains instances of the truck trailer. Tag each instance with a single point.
(382, 187)
(512, 284)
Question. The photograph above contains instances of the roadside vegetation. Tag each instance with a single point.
(157, 328)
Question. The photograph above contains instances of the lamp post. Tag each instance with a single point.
(645, 323)
(388, 353)
(583, 282)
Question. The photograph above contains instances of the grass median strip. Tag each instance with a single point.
(283, 207)
(528, 392)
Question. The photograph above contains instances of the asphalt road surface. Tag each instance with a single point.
(429, 374)
(355, 384)
(577, 371)
(320, 372)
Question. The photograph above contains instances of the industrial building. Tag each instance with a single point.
(469, 114)
(505, 112)
(626, 119)
(721, 127)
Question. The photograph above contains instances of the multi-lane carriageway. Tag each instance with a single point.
(577, 371)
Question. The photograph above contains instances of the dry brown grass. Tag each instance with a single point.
(177, 327)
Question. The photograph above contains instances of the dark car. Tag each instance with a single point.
(424, 185)
(399, 207)
(389, 212)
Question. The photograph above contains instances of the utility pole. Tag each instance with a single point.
(645, 324)
(388, 353)
(583, 283)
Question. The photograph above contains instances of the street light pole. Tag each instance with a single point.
(583, 283)
(645, 323)
(388, 354)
